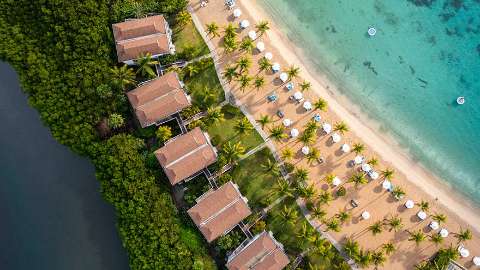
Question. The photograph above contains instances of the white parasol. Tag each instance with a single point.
(366, 167)
(463, 252)
(373, 174)
(387, 185)
(276, 67)
(409, 204)
(298, 95)
(268, 56)
(434, 225)
(252, 35)
(443, 232)
(294, 132)
(283, 77)
(305, 150)
(287, 122)
(358, 160)
(476, 261)
(260, 46)
(244, 24)
(365, 215)
(327, 128)
(422, 215)
(307, 105)
(237, 13)
(345, 148)
(336, 137)
(336, 181)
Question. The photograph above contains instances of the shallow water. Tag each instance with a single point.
(52, 214)
(407, 76)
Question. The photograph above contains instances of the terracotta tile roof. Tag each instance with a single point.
(158, 99)
(134, 48)
(262, 253)
(139, 27)
(185, 155)
(219, 211)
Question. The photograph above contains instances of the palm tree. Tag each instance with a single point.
(313, 155)
(301, 175)
(417, 237)
(306, 233)
(283, 188)
(318, 213)
(243, 126)
(293, 72)
(358, 148)
(364, 258)
(182, 18)
(424, 206)
(145, 63)
(333, 225)
(321, 104)
(289, 215)
(398, 192)
(264, 120)
(307, 138)
(259, 82)
(264, 64)
(230, 30)
(394, 223)
(358, 179)
(307, 192)
(440, 218)
(463, 235)
(209, 97)
(389, 248)
(376, 227)
(244, 63)
(230, 44)
(212, 29)
(214, 115)
(232, 152)
(340, 127)
(343, 216)
(247, 45)
(388, 173)
(311, 127)
(351, 248)
(373, 161)
(325, 197)
(277, 133)
(230, 73)
(271, 167)
(378, 258)
(287, 154)
(244, 82)
(329, 178)
(424, 265)
(436, 238)
(262, 27)
(123, 76)
(304, 86)
(191, 70)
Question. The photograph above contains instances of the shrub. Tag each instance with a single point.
(163, 133)
(341, 192)
(259, 227)
(104, 91)
(216, 140)
(115, 120)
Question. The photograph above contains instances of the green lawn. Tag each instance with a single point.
(225, 132)
(255, 183)
(188, 36)
(204, 81)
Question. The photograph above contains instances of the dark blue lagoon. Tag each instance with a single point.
(52, 214)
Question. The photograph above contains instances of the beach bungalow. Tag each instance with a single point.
(136, 37)
(217, 212)
(261, 252)
(185, 155)
(158, 99)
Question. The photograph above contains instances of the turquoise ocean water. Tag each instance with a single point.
(425, 54)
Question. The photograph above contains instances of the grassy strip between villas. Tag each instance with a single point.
(188, 41)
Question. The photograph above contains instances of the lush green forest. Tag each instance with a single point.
(63, 51)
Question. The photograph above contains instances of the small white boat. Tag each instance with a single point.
(372, 31)
(461, 100)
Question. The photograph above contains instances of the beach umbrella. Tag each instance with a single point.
(327, 128)
(365, 215)
(268, 56)
(237, 13)
(283, 77)
(287, 122)
(366, 167)
(463, 252)
(409, 204)
(336, 137)
(373, 174)
(434, 225)
(305, 150)
(317, 117)
(252, 35)
(260, 46)
(443, 232)
(476, 261)
(336, 181)
(387, 185)
(358, 160)
(294, 132)
(298, 95)
(244, 24)
(276, 67)
(345, 148)
(307, 105)
(422, 215)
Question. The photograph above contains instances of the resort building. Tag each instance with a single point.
(137, 37)
(185, 155)
(262, 252)
(218, 211)
(158, 99)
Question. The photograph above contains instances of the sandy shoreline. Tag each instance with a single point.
(420, 184)
(383, 144)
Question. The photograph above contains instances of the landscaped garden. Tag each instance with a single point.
(188, 41)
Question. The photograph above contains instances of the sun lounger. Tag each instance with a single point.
(354, 203)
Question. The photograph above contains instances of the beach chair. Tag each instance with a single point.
(354, 203)
(272, 97)
(289, 86)
(280, 113)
